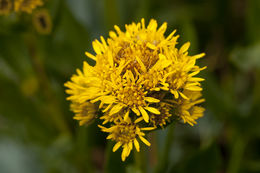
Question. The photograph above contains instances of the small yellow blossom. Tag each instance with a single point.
(85, 112)
(42, 21)
(125, 134)
(187, 109)
(163, 117)
(5, 7)
(26, 5)
(140, 79)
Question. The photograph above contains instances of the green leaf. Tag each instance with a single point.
(246, 58)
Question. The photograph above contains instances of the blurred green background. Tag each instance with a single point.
(38, 134)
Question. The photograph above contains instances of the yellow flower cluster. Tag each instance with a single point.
(7, 6)
(141, 81)
(26, 5)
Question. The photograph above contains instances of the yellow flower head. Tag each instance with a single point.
(125, 134)
(85, 112)
(42, 21)
(26, 5)
(163, 117)
(187, 109)
(140, 79)
(5, 7)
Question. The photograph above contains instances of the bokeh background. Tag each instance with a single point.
(38, 134)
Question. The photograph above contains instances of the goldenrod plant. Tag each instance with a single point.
(177, 91)
(140, 81)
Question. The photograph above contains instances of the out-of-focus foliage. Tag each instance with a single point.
(38, 134)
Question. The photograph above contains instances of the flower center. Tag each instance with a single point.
(131, 95)
(125, 133)
(163, 117)
(129, 52)
(178, 79)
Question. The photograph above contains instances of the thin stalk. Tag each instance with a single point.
(54, 109)
(236, 155)
(164, 159)
(108, 156)
(153, 151)
(139, 157)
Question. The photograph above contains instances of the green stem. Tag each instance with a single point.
(54, 108)
(164, 159)
(236, 155)
(138, 160)
(153, 151)
(108, 156)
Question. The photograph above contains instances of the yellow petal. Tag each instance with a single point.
(87, 68)
(155, 89)
(151, 46)
(124, 152)
(163, 62)
(110, 136)
(102, 127)
(143, 23)
(116, 146)
(148, 128)
(199, 101)
(193, 88)
(152, 25)
(145, 141)
(130, 147)
(195, 79)
(136, 111)
(139, 119)
(165, 88)
(185, 47)
(107, 99)
(153, 110)
(186, 113)
(152, 100)
(90, 56)
(110, 58)
(107, 108)
(126, 117)
(194, 73)
(137, 146)
(162, 57)
(183, 96)
(175, 93)
(143, 68)
(112, 34)
(171, 35)
(144, 114)
(116, 109)
(199, 56)
(163, 27)
(117, 29)
(96, 47)
(103, 41)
